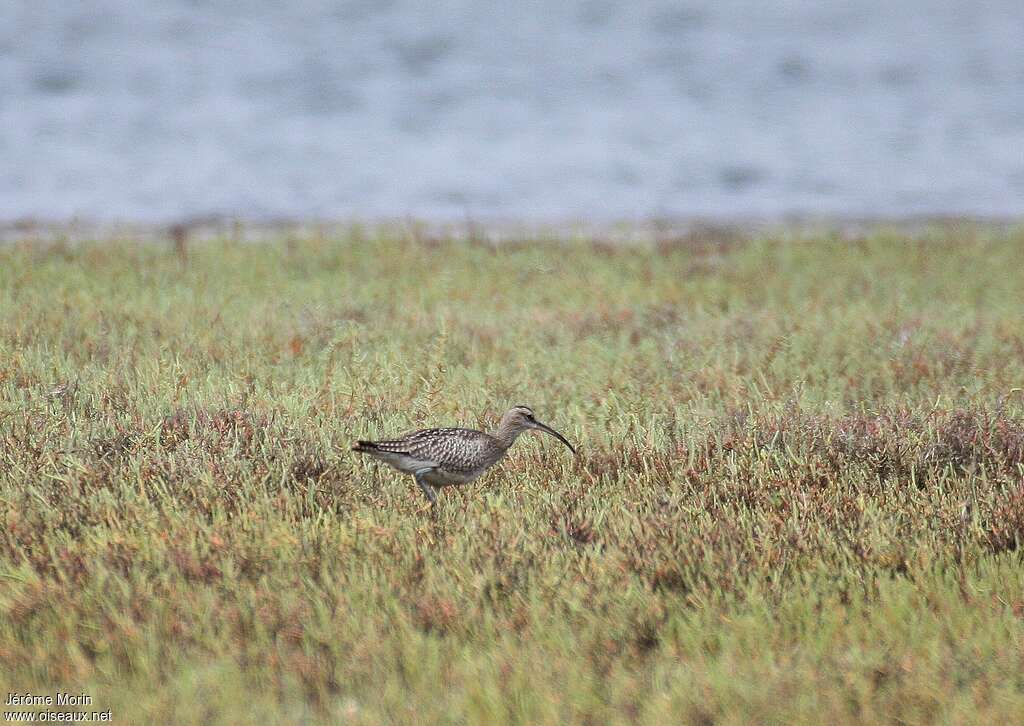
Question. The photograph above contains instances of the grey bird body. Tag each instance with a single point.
(451, 456)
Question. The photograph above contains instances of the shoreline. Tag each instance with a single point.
(492, 231)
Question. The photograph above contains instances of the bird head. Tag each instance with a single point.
(521, 418)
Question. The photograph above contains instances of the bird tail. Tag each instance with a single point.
(365, 447)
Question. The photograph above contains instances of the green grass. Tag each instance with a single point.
(766, 522)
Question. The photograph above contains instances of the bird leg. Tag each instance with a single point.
(427, 488)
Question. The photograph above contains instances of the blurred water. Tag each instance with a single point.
(159, 109)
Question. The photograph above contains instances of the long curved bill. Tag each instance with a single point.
(548, 430)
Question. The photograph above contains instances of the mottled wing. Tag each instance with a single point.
(460, 451)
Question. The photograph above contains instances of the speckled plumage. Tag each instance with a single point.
(447, 456)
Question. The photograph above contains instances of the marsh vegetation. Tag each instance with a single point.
(799, 494)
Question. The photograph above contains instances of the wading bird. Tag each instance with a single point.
(444, 457)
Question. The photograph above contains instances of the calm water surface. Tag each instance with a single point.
(161, 109)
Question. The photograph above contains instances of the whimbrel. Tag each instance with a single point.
(443, 457)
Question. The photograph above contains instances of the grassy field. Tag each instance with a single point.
(799, 495)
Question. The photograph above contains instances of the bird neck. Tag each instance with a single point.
(507, 433)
